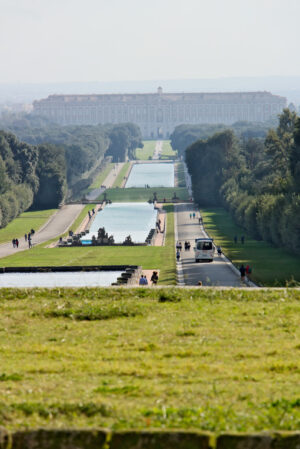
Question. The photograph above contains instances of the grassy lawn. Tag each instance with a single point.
(167, 151)
(119, 179)
(101, 177)
(180, 174)
(271, 266)
(147, 151)
(24, 223)
(142, 194)
(209, 359)
(150, 257)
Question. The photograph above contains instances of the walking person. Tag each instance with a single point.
(13, 243)
(248, 271)
(243, 272)
(154, 278)
(194, 215)
(17, 243)
(25, 237)
(178, 255)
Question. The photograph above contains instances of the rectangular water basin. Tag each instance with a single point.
(151, 175)
(59, 279)
(123, 219)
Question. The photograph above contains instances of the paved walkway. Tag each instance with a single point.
(108, 182)
(55, 226)
(217, 273)
(126, 176)
(159, 239)
(157, 150)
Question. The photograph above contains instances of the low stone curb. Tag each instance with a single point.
(159, 440)
(5, 439)
(59, 439)
(143, 439)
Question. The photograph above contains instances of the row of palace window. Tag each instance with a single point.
(163, 114)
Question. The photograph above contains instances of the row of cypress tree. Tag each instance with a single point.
(257, 180)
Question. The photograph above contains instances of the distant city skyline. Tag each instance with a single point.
(113, 40)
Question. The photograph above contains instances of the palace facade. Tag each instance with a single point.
(158, 113)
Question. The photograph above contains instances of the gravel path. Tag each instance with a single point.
(108, 182)
(158, 150)
(55, 226)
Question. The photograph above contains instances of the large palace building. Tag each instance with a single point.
(157, 114)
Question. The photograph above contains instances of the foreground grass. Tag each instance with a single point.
(270, 266)
(147, 151)
(141, 194)
(24, 223)
(119, 179)
(210, 359)
(149, 257)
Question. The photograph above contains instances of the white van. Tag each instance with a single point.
(204, 250)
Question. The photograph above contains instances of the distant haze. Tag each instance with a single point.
(27, 92)
(44, 41)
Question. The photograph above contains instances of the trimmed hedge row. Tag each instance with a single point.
(148, 439)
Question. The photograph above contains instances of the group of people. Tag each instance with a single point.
(90, 213)
(245, 271)
(15, 243)
(27, 238)
(235, 239)
(158, 225)
(192, 215)
(154, 279)
(187, 247)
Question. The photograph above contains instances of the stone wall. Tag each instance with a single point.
(143, 439)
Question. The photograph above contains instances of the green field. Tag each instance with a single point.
(120, 178)
(147, 151)
(149, 257)
(24, 223)
(270, 266)
(180, 174)
(209, 359)
(167, 151)
(142, 194)
(101, 177)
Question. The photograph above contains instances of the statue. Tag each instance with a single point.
(128, 241)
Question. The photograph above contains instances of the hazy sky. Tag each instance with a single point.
(109, 40)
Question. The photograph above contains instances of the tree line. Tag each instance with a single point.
(41, 162)
(184, 135)
(257, 180)
(29, 176)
